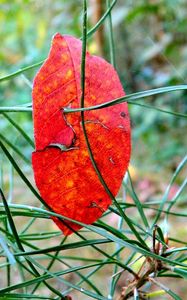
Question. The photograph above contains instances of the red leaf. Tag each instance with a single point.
(65, 177)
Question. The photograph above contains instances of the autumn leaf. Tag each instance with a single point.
(62, 167)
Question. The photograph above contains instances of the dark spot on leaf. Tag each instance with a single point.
(94, 204)
(123, 114)
(111, 160)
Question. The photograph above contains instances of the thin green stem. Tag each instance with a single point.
(111, 37)
(20, 130)
(16, 73)
(130, 98)
(165, 196)
(83, 60)
(100, 22)
(15, 149)
(49, 265)
(19, 244)
(138, 203)
(7, 109)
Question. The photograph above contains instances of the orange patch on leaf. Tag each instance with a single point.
(62, 168)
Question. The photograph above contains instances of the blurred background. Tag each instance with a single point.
(151, 51)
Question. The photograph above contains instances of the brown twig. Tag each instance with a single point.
(97, 12)
(149, 267)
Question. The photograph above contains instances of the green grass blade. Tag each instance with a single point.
(8, 253)
(147, 206)
(19, 244)
(21, 174)
(100, 22)
(85, 133)
(181, 272)
(46, 271)
(138, 203)
(177, 240)
(20, 130)
(13, 296)
(175, 198)
(20, 71)
(29, 224)
(65, 247)
(175, 250)
(166, 289)
(131, 222)
(4, 109)
(160, 233)
(57, 274)
(38, 196)
(51, 263)
(15, 149)
(111, 37)
(111, 237)
(27, 182)
(99, 267)
(130, 97)
(180, 115)
(165, 196)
